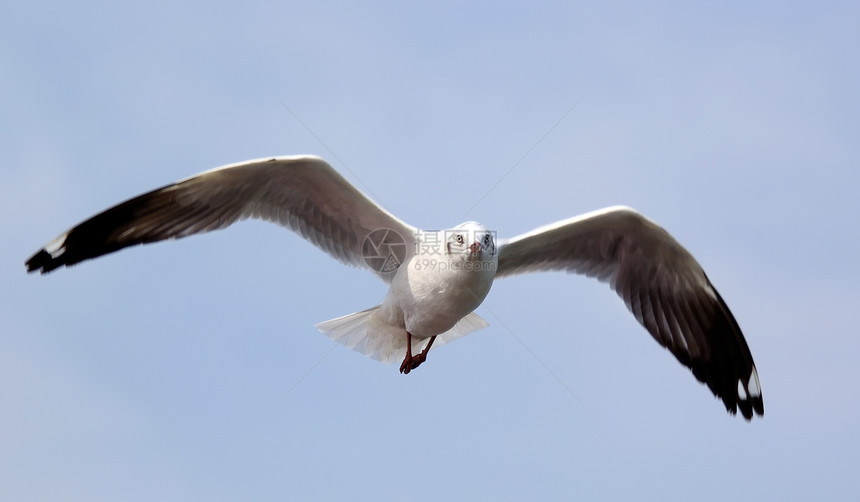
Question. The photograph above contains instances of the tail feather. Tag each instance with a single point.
(369, 335)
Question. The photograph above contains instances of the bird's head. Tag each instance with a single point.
(472, 241)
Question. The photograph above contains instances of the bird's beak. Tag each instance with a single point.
(475, 248)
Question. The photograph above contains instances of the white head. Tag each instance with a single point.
(471, 240)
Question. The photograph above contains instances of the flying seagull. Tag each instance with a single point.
(438, 278)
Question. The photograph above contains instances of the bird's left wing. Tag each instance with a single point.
(661, 283)
(302, 193)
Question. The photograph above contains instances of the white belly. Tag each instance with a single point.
(431, 296)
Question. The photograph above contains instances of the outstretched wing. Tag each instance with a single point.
(301, 193)
(661, 283)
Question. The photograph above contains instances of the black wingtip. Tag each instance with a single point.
(750, 402)
(42, 262)
(753, 403)
(748, 399)
(730, 372)
(758, 405)
(750, 407)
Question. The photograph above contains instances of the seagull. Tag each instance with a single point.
(438, 278)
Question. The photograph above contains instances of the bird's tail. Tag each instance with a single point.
(366, 333)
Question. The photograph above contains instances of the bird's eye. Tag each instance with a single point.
(487, 239)
(459, 239)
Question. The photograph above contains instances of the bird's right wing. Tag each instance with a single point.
(661, 283)
(303, 193)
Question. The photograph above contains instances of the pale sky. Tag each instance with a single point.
(191, 370)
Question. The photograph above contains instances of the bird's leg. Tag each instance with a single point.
(406, 367)
(420, 358)
(411, 362)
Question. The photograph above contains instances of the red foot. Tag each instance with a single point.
(411, 362)
(406, 366)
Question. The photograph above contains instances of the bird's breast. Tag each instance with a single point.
(434, 294)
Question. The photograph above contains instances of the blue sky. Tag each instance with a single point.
(192, 370)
